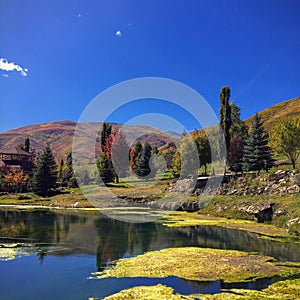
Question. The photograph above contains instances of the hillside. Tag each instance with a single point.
(285, 109)
(60, 136)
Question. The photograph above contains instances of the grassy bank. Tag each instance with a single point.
(286, 207)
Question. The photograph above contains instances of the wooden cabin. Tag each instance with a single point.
(17, 159)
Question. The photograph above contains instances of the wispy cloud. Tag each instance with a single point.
(119, 33)
(11, 66)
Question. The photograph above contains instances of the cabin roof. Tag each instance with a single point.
(15, 150)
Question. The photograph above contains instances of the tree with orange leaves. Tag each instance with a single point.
(16, 180)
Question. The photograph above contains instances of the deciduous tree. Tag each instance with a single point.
(285, 139)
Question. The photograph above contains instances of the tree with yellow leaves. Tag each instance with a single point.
(285, 138)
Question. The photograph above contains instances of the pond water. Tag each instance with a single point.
(52, 255)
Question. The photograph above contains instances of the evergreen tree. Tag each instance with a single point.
(225, 114)
(105, 169)
(257, 153)
(45, 174)
(143, 167)
(69, 177)
(105, 133)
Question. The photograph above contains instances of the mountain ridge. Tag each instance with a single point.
(60, 133)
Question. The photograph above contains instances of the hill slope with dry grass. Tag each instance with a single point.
(60, 136)
(286, 109)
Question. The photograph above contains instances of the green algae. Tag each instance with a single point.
(193, 263)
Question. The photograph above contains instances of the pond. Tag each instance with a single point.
(46, 254)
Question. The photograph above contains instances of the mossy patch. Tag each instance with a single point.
(193, 263)
(148, 293)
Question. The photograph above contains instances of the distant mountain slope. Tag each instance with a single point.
(60, 136)
(271, 115)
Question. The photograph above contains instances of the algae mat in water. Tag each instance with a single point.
(193, 263)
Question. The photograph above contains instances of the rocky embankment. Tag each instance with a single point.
(278, 183)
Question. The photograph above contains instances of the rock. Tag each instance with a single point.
(261, 213)
(293, 221)
(280, 172)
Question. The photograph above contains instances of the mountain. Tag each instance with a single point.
(286, 109)
(60, 136)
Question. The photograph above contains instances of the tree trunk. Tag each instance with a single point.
(293, 163)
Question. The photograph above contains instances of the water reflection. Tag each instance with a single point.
(58, 234)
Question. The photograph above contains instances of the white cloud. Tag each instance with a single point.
(6, 66)
(119, 33)
(4, 75)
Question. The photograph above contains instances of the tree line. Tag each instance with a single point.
(248, 149)
(46, 175)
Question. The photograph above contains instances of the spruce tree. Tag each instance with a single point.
(257, 153)
(143, 167)
(105, 169)
(45, 174)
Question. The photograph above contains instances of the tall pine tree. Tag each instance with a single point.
(257, 153)
(45, 174)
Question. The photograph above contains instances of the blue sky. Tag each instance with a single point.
(66, 52)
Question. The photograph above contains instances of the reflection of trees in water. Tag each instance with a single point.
(224, 238)
(117, 239)
(37, 226)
